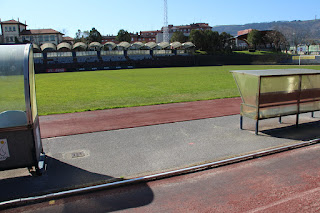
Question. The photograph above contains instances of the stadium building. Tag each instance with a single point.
(186, 29)
(14, 32)
(157, 35)
(55, 53)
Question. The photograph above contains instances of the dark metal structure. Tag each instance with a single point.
(20, 141)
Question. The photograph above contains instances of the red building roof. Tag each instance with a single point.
(40, 31)
(242, 32)
(12, 22)
(67, 38)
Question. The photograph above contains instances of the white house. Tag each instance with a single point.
(14, 31)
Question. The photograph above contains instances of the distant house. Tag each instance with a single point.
(242, 36)
(68, 39)
(14, 31)
(186, 29)
(157, 35)
(144, 37)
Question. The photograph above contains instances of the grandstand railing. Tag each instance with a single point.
(112, 52)
(162, 52)
(86, 53)
(138, 52)
(59, 54)
(37, 55)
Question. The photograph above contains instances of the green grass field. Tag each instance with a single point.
(83, 91)
(258, 52)
(12, 93)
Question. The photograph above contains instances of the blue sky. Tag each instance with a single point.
(110, 16)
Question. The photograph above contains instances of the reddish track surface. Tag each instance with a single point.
(102, 120)
(284, 182)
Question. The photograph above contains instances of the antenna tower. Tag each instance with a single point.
(165, 24)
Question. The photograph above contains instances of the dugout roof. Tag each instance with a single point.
(80, 45)
(110, 44)
(164, 45)
(124, 45)
(36, 47)
(137, 45)
(151, 45)
(48, 47)
(187, 45)
(175, 45)
(64, 45)
(95, 44)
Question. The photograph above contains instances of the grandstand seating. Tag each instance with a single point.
(60, 60)
(38, 60)
(139, 57)
(83, 59)
(113, 58)
(162, 53)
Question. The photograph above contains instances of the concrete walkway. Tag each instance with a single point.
(102, 120)
(84, 159)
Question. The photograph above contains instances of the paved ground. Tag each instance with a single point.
(102, 120)
(101, 156)
(287, 182)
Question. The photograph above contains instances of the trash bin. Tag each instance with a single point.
(20, 140)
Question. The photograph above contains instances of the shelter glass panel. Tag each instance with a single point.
(286, 84)
(12, 89)
(310, 91)
(248, 86)
(33, 100)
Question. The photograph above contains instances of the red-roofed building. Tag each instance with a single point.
(186, 29)
(14, 31)
(243, 32)
(148, 36)
(68, 39)
(157, 35)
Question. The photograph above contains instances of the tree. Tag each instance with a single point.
(123, 35)
(178, 36)
(94, 36)
(275, 39)
(197, 37)
(254, 38)
(212, 41)
(294, 37)
(81, 36)
(226, 41)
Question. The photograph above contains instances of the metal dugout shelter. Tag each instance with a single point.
(276, 93)
(20, 141)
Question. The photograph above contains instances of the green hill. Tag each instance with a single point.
(309, 29)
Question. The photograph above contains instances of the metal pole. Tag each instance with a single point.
(258, 106)
(257, 127)
(298, 101)
(165, 27)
